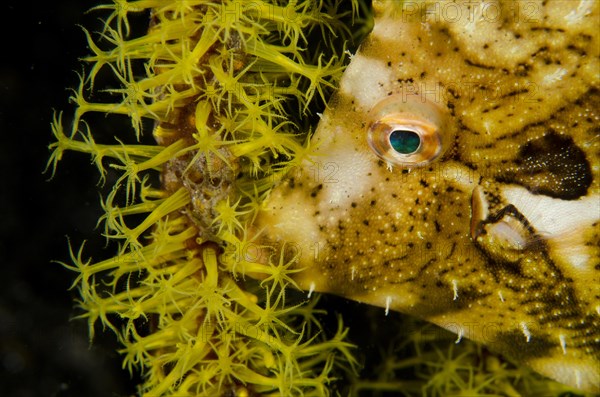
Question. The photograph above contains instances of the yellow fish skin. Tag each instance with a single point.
(455, 177)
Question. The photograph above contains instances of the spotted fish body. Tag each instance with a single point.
(491, 228)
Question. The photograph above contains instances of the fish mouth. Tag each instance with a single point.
(285, 238)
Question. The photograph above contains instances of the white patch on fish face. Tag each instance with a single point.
(562, 224)
(552, 78)
(584, 8)
(366, 88)
(290, 215)
(550, 216)
(347, 167)
(386, 29)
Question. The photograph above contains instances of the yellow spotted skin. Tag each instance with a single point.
(497, 239)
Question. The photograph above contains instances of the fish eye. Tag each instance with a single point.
(407, 131)
(405, 141)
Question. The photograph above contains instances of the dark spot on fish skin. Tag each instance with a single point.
(544, 29)
(477, 65)
(579, 51)
(522, 70)
(515, 93)
(552, 165)
(316, 190)
(454, 94)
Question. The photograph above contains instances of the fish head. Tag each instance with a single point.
(454, 177)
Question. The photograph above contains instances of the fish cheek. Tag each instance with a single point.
(403, 240)
(353, 236)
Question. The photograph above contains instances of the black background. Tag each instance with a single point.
(42, 352)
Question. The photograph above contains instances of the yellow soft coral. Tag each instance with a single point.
(219, 79)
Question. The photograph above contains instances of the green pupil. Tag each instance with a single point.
(405, 142)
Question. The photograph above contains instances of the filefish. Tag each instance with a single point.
(455, 178)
